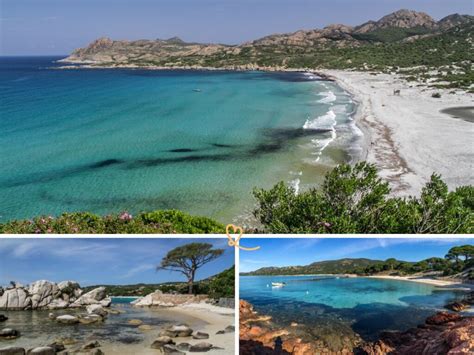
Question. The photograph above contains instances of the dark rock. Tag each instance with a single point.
(41, 350)
(8, 333)
(91, 345)
(183, 346)
(171, 350)
(229, 329)
(57, 346)
(220, 332)
(3, 318)
(162, 341)
(12, 350)
(458, 306)
(200, 347)
(200, 335)
(95, 352)
(442, 318)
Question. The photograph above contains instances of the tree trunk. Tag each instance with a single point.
(191, 282)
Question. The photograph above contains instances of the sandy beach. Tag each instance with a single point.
(430, 281)
(408, 138)
(199, 316)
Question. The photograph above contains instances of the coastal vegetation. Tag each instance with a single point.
(352, 199)
(217, 286)
(187, 259)
(163, 222)
(458, 261)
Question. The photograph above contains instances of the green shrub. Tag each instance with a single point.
(164, 222)
(223, 285)
(355, 200)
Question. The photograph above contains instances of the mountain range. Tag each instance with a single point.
(304, 48)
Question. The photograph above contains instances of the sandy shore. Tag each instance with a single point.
(200, 317)
(408, 138)
(429, 281)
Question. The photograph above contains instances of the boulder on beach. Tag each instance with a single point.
(180, 330)
(12, 350)
(67, 319)
(91, 318)
(200, 347)
(41, 350)
(200, 335)
(3, 318)
(9, 333)
(183, 346)
(161, 341)
(171, 350)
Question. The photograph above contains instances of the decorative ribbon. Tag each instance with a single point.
(236, 242)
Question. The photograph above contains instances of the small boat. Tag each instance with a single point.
(278, 284)
(197, 90)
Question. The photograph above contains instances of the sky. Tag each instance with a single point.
(56, 27)
(291, 252)
(98, 261)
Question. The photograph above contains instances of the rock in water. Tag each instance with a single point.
(67, 319)
(12, 350)
(92, 297)
(42, 350)
(200, 335)
(135, 322)
(200, 347)
(8, 333)
(3, 318)
(96, 309)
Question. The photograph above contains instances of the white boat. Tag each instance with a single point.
(278, 284)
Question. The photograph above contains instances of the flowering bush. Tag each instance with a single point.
(160, 222)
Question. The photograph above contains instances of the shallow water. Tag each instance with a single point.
(327, 305)
(115, 332)
(114, 140)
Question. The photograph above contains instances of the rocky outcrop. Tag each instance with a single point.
(44, 294)
(161, 299)
(399, 19)
(443, 333)
(259, 336)
(175, 53)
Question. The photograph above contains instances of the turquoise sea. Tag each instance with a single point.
(137, 140)
(332, 305)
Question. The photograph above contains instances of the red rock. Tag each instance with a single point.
(442, 318)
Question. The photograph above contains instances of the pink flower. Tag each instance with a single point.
(125, 216)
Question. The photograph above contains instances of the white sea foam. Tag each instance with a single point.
(326, 121)
(295, 184)
(329, 97)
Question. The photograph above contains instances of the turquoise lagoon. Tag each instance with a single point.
(328, 305)
(137, 140)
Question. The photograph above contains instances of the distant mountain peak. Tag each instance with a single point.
(401, 19)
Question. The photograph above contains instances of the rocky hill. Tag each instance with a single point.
(302, 49)
(341, 266)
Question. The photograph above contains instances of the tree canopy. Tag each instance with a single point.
(188, 258)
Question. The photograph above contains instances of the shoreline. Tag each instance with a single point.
(451, 284)
(407, 135)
